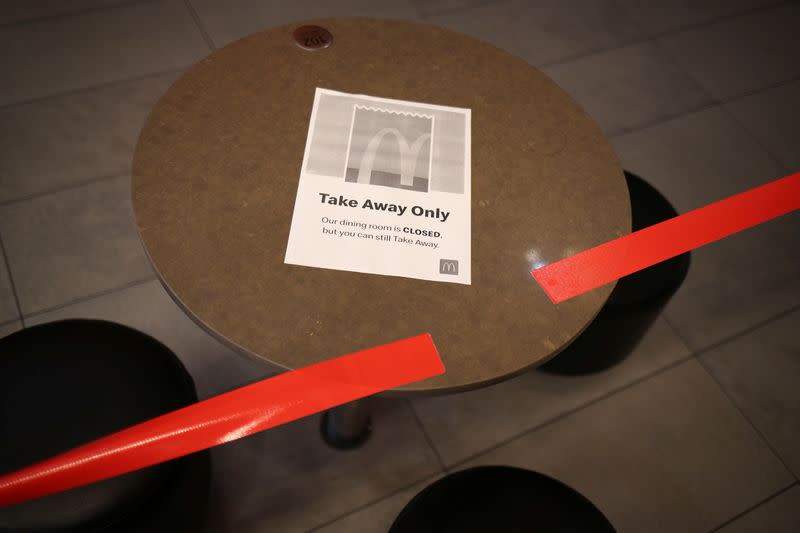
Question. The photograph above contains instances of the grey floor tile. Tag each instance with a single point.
(22, 10)
(659, 17)
(779, 515)
(629, 87)
(743, 279)
(228, 21)
(773, 116)
(741, 54)
(9, 328)
(760, 371)
(72, 244)
(96, 47)
(461, 425)
(286, 479)
(427, 8)
(68, 139)
(544, 31)
(147, 307)
(669, 454)
(378, 517)
(8, 306)
(698, 158)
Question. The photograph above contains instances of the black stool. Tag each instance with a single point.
(635, 302)
(500, 499)
(65, 383)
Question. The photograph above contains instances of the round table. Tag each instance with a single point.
(215, 175)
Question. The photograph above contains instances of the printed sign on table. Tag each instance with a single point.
(384, 189)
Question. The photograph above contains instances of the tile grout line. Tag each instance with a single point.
(573, 411)
(714, 101)
(752, 92)
(200, 26)
(753, 507)
(692, 355)
(425, 434)
(449, 11)
(723, 102)
(7, 263)
(659, 35)
(778, 161)
(92, 296)
(371, 503)
(705, 107)
(663, 120)
(677, 333)
(592, 52)
(90, 9)
(744, 416)
(94, 87)
(741, 333)
(721, 18)
(669, 60)
(63, 188)
(633, 41)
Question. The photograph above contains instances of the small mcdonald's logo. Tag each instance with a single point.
(448, 266)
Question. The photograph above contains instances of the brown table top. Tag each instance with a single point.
(216, 170)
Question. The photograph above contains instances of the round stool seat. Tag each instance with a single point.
(636, 301)
(659, 281)
(500, 499)
(65, 383)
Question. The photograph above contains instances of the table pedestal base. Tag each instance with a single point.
(347, 426)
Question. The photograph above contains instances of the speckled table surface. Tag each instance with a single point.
(216, 170)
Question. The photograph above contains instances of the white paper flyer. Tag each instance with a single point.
(384, 189)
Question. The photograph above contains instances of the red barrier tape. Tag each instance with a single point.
(610, 261)
(228, 417)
